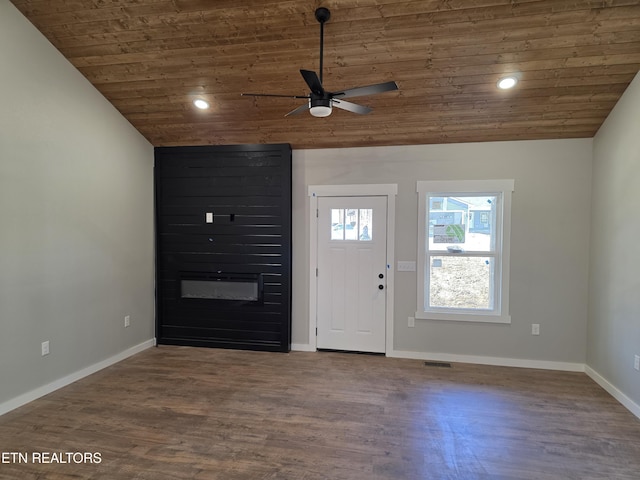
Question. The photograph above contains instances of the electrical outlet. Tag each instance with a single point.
(412, 322)
(636, 362)
(535, 329)
(127, 321)
(45, 348)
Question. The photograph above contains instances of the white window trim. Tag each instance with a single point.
(506, 187)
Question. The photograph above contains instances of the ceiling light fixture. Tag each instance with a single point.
(320, 107)
(201, 104)
(506, 83)
(321, 101)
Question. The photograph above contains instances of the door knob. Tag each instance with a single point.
(381, 287)
(381, 276)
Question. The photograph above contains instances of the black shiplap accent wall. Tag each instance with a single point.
(248, 190)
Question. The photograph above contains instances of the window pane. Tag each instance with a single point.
(365, 224)
(351, 224)
(461, 282)
(462, 223)
(337, 224)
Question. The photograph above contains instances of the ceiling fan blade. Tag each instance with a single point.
(300, 109)
(368, 90)
(351, 107)
(272, 95)
(313, 81)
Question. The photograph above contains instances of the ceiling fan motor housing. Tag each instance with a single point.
(320, 106)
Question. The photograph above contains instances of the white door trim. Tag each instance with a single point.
(314, 191)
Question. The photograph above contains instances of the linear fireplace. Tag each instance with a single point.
(226, 287)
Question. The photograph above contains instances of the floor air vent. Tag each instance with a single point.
(437, 364)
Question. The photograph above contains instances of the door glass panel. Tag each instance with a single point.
(352, 224)
(364, 226)
(337, 224)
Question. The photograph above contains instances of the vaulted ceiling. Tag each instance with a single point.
(152, 58)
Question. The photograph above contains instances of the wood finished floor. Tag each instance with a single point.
(193, 413)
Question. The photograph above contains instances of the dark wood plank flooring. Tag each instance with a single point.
(194, 413)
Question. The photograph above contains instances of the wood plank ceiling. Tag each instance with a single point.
(152, 58)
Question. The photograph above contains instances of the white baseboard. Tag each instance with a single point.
(613, 391)
(304, 347)
(64, 381)
(510, 362)
(498, 361)
(481, 360)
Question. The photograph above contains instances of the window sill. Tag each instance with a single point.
(464, 317)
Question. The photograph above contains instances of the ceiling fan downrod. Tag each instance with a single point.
(322, 15)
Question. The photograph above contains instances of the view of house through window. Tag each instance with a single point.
(462, 250)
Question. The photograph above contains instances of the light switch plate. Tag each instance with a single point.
(405, 266)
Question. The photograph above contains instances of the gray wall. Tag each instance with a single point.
(550, 246)
(76, 217)
(614, 290)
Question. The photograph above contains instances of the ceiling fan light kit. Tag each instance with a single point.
(320, 108)
(320, 101)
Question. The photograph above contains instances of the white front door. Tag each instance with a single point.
(352, 250)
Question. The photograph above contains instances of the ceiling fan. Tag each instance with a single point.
(321, 101)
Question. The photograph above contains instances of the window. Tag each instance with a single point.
(351, 224)
(463, 250)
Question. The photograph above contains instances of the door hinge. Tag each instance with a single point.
(316, 272)
(316, 331)
(317, 212)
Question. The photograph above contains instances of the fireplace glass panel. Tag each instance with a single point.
(245, 290)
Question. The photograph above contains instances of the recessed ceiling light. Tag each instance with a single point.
(506, 83)
(201, 104)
